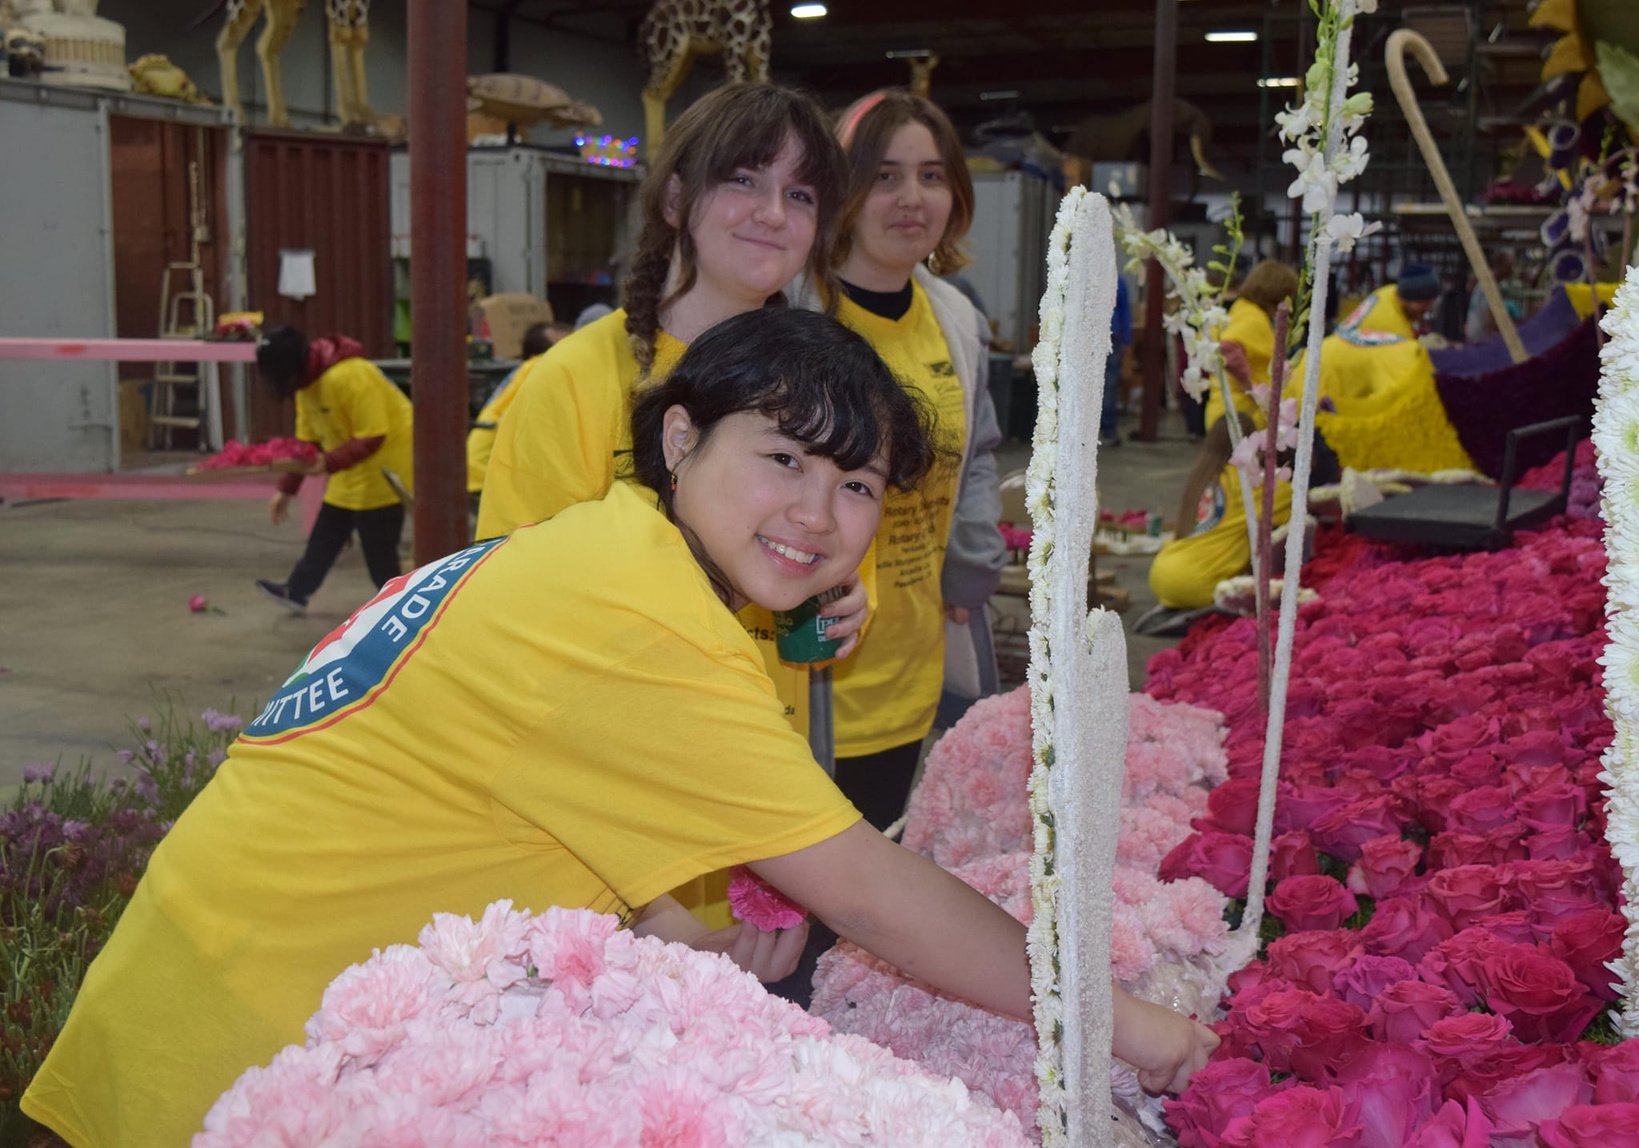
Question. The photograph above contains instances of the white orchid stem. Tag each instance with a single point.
(1320, 249)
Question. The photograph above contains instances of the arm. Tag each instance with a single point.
(906, 910)
(766, 956)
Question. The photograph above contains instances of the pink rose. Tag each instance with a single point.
(1385, 864)
(1403, 1012)
(1393, 1088)
(1270, 1024)
(1555, 889)
(1517, 1106)
(1300, 806)
(1233, 807)
(1585, 941)
(1427, 797)
(1514, 927)
(1292, 854)
(1342, 831)
(1558, 844)
(1404, 926)
(198, 604)
(1455, 1126)
(1223, 860)
(1308, 903)
(1220, 1092)
(1310, 960)
(1455, 962)
(1538, 993)
(1590, 1126)
(1467, 893)
(1451, 850)
(1300, 1117)
(1480, 810)
(1615, 1072)
(1554, 806)
(1330, 1035)
(1361, 982)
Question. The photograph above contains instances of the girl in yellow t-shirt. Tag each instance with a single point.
(572, 716)
(939, 553)
(362, 423)
(1249, 337)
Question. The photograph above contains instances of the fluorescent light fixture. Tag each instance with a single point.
(808, 11)
(1003, 94)
(1231, 36)
(1278, 82)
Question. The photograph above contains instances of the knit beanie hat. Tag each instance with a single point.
(1418, 283)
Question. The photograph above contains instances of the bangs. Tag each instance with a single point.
(837, 422)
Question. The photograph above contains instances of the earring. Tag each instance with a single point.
(673, 475)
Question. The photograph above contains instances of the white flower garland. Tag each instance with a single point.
(1616, 442)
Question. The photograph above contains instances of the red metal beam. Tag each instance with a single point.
(438, 272)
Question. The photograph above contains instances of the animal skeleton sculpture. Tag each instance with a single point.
(349, 30)
(676, 31)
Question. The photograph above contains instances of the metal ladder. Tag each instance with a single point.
(183, 392)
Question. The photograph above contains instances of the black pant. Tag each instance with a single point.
(378, 537)
(879, 784)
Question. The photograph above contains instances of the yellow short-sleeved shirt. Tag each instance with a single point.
(353, 399)
(481, 439)
(495, 724)
(568, 437)
(886, 694)
(1249, 326)
(1188, 569)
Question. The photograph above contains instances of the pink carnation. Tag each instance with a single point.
(760, 905)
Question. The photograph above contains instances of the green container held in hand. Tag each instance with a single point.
(799, 633)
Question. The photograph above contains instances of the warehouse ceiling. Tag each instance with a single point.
(1058, 61)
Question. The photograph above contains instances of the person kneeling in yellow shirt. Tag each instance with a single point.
(569, 715)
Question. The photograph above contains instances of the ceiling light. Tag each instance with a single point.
(1004, 94)
(1278, 82)
(808, 11)
(1230, 36)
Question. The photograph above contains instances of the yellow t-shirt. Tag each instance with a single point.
(481, 439)
(568, 437)
(495, 724)
(1187, 570)
(886, 694)
(353, 399)
(1250, 327)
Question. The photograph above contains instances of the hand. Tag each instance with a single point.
(317, 467)
(766, 956)
(1165, 1047)
(957, 614)
(278, 506)
(850, 611)
(1235, 361)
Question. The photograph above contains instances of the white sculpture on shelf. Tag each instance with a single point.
(81, 49)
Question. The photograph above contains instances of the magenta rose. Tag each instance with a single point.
(1556, 889)
(1450, 850)
(1314, 902)
(1553, 807)
(1299, 806)
(1385, 864)
(1518, 1105)
(1361, 982)
(1559, 844)
(1343, 831)
(1467, 893)
(1301, 1117)
(1615, 1072)
(1538, 747)
(1309, 960)
(1292, 855)
(1456, 1125)
(1403, 1012)
(1426, 797)
(1590, 1126)
(1516, 927)
(1537, 992)
(1222, 1091)
(1233, 807)
(1223, 860)
(1480, 810)
(1404, 926)
(1395, 1090)
(1585, 941)
(1330, 1035)
(1270, 1025)
(1477, 769)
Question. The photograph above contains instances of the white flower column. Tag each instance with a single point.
(1616, 441)
(1078, 688)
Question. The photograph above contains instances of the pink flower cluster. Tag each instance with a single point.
(237, 453)
(759, 904)
(1439, 868)
(970, 815)
(564, 1029)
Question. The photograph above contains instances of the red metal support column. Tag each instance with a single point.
(438, 272)
(1160, 176)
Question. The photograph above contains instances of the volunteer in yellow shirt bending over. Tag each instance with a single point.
(569, 715)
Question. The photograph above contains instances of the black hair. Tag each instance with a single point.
(821, 383)
(537, 339)
(281, 359)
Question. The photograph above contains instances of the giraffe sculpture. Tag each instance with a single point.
(675, 31)
(349, 24)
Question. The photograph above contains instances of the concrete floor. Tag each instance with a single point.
(95, 630)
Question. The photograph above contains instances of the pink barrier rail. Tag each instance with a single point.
(129, 350)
